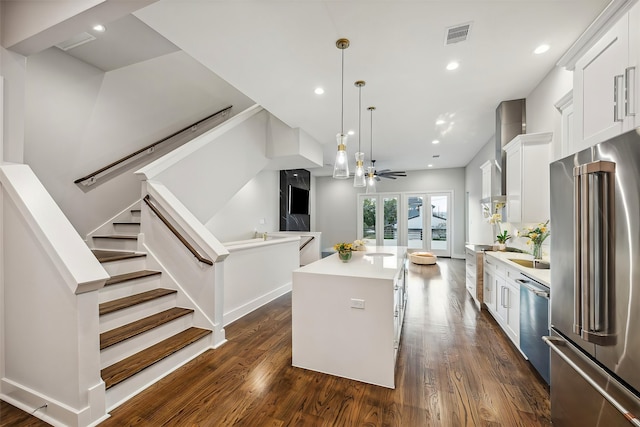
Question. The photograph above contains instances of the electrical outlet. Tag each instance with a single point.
(357, 303)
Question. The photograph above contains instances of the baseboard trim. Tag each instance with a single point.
(243, 310)
(55, 413)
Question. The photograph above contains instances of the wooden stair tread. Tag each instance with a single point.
(107, 256)
(121, 303)
(126, 368)
(138, 327)
(119, 278)
(118, 236)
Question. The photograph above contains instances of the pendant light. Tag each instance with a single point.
(341, 166)
(359, 179)
(371, 179)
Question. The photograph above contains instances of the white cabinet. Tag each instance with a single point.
(474, 275)
(502, 297)
(489, 292)
(487, 176)
(605, 84)
(528, 177)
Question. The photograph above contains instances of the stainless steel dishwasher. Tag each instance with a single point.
(534, 323)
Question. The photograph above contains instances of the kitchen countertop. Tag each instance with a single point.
(537, 274)
(379, 262)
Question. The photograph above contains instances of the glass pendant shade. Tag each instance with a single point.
(359, 179)
(371, 180)
(341, 166)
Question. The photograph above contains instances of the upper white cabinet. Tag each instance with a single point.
(528, 177)
(605, 84)
(487, 175)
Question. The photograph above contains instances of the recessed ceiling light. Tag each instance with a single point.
(452, 65)
(319, 91)
(541, 49)
(99, 28)
(429, 165)
(440, 122)
(351, 132)
(435, 141)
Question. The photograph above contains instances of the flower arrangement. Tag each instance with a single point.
(536, 236)
(359, 245)
(343, 247)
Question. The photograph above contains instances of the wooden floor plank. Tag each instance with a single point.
(130, 330)
(10, 416)
(109, 256)
(120, 278)
(130, 301)
(455, 367)
(118, 372)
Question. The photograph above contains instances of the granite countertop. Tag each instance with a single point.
(539, 275)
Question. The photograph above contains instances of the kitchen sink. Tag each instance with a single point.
(531, 263)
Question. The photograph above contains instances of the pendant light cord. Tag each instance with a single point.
(371, 109)
(359, 116)
(342, 99)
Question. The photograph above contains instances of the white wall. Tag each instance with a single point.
(240, 217)
(12, 69)
(480, 231)
(79, 119)
(336, 202)
(542, 115)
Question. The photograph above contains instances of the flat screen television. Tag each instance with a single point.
(298, 200)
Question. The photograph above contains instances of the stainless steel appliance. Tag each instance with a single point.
(595, 285)
(534, 323)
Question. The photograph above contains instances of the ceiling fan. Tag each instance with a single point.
(386, 173)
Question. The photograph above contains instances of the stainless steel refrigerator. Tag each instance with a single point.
(595, 285)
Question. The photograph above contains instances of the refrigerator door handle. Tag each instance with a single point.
(553, 343)
(618, 96)
(630, 91)
(595, 223)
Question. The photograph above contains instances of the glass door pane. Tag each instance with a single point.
(415, 221)
(390, 221)
(439, 225)
(369, 220)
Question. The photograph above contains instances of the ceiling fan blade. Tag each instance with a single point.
(387, 176)
(385, 171)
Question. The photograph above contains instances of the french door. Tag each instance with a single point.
(378, 219)
(416, 220)
(428, 224)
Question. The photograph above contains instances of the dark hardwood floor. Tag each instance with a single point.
(455, 368)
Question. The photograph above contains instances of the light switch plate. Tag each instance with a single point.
(357, 303)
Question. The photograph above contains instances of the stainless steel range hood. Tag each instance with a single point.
(510, 122)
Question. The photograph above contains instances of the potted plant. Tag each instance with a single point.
(502, 239)
(344, 250)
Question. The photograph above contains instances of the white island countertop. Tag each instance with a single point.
(377, 262)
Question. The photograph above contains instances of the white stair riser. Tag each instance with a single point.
(117, 352)
(127, 228)
(135, 216)
(130, 245)
(137, 312)
(125, 265)
(120, 393)
(128, 288)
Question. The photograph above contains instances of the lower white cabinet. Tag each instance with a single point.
(502, 296)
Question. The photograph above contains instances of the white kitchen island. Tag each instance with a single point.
(347, 317)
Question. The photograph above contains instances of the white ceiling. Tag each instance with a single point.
(278, 51)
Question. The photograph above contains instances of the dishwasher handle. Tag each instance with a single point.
(537, 292)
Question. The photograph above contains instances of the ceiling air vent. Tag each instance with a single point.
(457, 34)
(75, 41)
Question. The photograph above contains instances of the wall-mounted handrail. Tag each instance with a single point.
(149, 148)
(307, 242)
(175, 232)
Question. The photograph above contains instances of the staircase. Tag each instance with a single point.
(144, 335)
